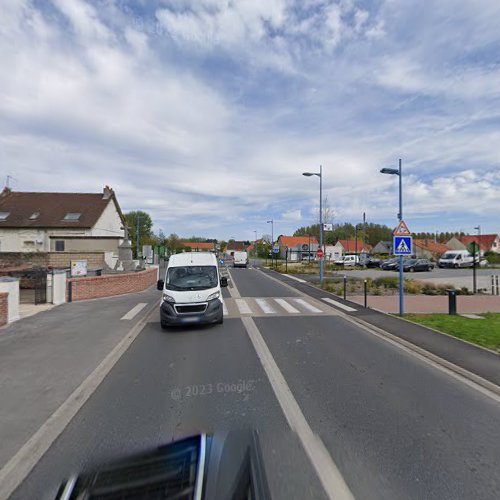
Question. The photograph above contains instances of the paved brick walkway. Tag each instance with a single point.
(432, 304)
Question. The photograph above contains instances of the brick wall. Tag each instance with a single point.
(108, 285)
(63, 259)
(28, 260)
(4, 308)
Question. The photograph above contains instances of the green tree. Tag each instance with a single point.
(146, 236)
(173, 243)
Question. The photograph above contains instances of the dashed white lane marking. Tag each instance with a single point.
(308, 306)
(134, 311)
(321, 460)
(338, 304)
(286, 306)
(243, 307)
(266, 308)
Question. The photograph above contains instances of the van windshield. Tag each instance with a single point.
(449, 256)
(191, 278)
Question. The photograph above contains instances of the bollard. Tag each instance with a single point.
(452, 302)
(496, 277)
(345, 287)
(366, 300)
(70, 291)
(493, 285)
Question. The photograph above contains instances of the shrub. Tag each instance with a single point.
(387, 282)
(413, 287)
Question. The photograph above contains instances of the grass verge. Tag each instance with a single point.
(483, 332)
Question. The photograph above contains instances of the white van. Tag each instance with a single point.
(240, 259)
(351, 260)
(456, 258)
(191, 290)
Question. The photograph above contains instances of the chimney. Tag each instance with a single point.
(6, 191)
(107, 193)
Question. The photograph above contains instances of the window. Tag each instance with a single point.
(34, 215)
(4, 215)
(72, 216)
(60, 246)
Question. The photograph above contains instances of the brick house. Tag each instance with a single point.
(298, 246)
(428, 249)
(343, 247)
(60, 222)
(487, 242)
(198, 247)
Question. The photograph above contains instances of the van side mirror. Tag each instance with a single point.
(223, 281)
(160, 284)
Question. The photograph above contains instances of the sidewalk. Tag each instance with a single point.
(44, 358)
(431, 303)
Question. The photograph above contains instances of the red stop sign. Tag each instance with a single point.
(319, 253)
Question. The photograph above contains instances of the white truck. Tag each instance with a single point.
(456, 259)
(240, 259)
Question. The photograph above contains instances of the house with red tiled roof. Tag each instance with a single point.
(197, 246)
(33, 222)
(428, 249)
(487, 242)
(343, 247)
(298, 246)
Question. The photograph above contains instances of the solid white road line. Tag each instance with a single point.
(296, 279)
(243, 307)
(266, 308)
(134, 311)
(20, 465)
(338, 304)
(224, 309)
(328, 473)
(308, 306)
(233, 291)
(286, 306)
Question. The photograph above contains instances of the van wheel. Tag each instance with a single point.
(456, 266)
(220, 322)
(163, 325)
(412, 269)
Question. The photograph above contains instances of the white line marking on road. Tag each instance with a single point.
(328, 473)
(233, 291)
(338, 304)
(15, 471)
(296, 279)
(243, 307)
(308, 306)
(266, 308)
(224, 309)
(285, 305)
(134, 311)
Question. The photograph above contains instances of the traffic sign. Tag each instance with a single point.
(403, 245)
(402, 229)
(319, 253)
(327, 227)
(276, 249)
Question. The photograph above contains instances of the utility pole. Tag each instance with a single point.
(137, 234)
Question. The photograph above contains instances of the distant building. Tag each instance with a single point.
(487, 242)
(343, 247)
(236, 246)
(299, 247)
(197, 247)
(382, 248)
(428, 249)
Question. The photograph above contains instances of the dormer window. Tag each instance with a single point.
(72, 216)
(4, 215)
(34, 215)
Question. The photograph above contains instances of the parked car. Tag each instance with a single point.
(456, 259)
(373, 262)
(390, 264)
(351, 260)
(413, 265)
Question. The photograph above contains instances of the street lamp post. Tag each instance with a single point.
(272, 241)
(399, 172)
(477, 249)
(255, 244)
(320, 175)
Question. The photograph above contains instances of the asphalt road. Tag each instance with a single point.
(392, 424)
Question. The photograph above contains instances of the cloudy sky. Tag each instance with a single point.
(204, 113)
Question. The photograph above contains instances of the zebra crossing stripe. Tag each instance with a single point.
(243, 306)
(286, 306)
(338, 304)
(266, 308)
(308, 306)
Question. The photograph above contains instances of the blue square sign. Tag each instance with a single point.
(402, 245)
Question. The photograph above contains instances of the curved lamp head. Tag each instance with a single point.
(390, 171)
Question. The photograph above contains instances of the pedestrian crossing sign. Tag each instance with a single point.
(402, 245)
